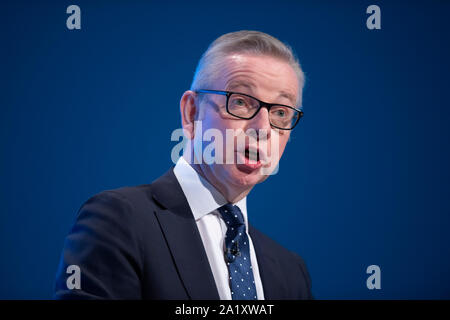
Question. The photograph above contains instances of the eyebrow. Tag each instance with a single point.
(251, 86)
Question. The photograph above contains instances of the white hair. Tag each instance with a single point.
(246, 42)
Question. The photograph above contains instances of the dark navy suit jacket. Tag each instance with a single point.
(143, 243)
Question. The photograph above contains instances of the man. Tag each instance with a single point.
(186, 235)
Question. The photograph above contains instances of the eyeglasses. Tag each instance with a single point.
(244, 106)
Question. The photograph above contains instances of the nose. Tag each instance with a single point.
(261, 123)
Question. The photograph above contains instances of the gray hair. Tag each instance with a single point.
(245, 41)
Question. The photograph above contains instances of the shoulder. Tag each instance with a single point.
(124, 211)
(126, 194)
(125, 199)
(130, 206)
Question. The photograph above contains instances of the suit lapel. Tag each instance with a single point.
(182, 236)
(269, 269)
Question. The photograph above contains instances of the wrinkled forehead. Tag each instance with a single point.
(267, 77)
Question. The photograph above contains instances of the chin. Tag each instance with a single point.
(242, 178)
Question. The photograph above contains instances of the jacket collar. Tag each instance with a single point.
(183, 239)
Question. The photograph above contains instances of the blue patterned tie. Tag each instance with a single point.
(237, 254)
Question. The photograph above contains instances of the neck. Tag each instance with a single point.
(230, 193)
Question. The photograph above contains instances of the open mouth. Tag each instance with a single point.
(252, 159)
(252, 154)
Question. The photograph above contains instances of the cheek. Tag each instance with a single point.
(214, 125)
(212, 120)
(282, 141)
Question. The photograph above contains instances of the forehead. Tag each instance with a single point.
(268, 77)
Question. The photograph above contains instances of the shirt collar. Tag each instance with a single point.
(203, 198)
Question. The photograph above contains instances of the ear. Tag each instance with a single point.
(188, 109)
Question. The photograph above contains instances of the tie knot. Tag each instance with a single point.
(232, 215)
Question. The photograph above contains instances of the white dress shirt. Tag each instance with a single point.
(204, 200)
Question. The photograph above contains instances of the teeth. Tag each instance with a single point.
(252, 154)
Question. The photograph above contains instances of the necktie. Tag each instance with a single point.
(237, 254)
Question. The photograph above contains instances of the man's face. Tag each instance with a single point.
(267, 79)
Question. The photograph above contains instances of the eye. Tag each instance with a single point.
(239, 102)
(280, 113)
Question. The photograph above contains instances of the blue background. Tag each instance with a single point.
(365, 177)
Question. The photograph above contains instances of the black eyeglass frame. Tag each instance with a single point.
(261, 105)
